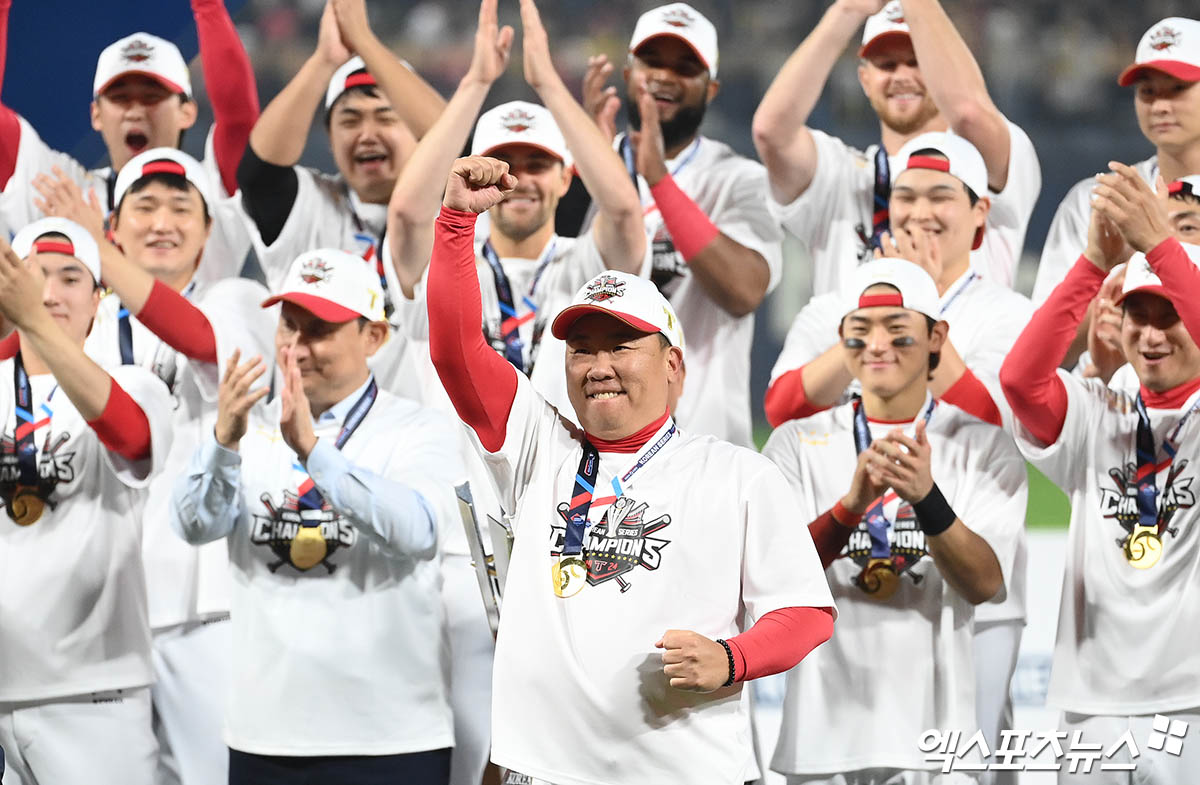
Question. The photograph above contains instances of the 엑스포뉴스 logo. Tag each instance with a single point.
(606, 287)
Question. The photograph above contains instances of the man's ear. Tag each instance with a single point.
(714, 87)
(188, 112)
(938, 336)
(95, 112)
(375, 335)
(567, 174)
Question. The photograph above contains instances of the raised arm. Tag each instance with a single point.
(619, 230)
(780, 128)
(957, 87)
(418, 193)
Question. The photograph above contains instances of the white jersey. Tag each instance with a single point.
(894, 668)
(227, 245)
(833, 217)
(342, 657)
(1125, 640)
(731, 190)
(1067, 237)
(72, 597)
(706, 540)
(185, 582)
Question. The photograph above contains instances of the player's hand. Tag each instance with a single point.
(916, 245)
(693, 662)
(477, 183)
(22, 286)
(62, 197)
(601, 102)
(1106, 247)
(295, 417)
(493, 45)
(904, 463)
(651, 149)
(1133, 206)
(235, 399)
(863, 8)
(866, 485)
(1104, 329)
(353, 24)
(535, 46)
(331, 47)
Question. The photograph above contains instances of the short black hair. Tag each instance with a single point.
(175, 182)
(369, 90)
(58, 237)
(972, 197)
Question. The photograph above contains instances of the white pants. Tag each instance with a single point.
(883, 777)
(99, 739)
(1153, 767)
(471, 650)
(995, 647)
(192, 665)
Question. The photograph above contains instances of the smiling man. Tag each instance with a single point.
(596, 641)
(919, 76)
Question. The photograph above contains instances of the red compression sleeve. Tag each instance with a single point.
(778, 641)
(831, 531)
(182, 325)
(1172, 264)
(691, 230)
(122, 426)
(229, 80)
(481, 384)
(1029, 375)
(969, 394)
(10, 127)
(10, 346)
(786, 400)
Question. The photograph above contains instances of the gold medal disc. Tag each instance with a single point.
(879, 579)
(567, 575)
(308, 548)
(26, 507)
(1143, 547)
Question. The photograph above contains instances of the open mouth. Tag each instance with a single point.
(162, 245)
(1153, 356)
(605, 396)
(371, 159)
(136, 141)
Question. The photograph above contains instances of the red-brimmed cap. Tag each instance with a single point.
(333, 285)
(887, 25)
(144, 54)
(633, 300)
(1171, 46)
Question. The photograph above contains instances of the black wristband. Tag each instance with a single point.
(934, 513)
(729, 654)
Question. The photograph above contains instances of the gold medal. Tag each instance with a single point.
(567, 575)
(1143, 547)
(879, 579)
(26, 506)
(308, 548)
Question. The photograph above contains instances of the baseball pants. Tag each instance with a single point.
(427, 768)
(996, 646)
(471, 649)
(1176, 763)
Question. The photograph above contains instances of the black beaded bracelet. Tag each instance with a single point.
(934, 513)
(729, 654)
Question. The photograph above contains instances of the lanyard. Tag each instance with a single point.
(125, 328)
(373, 252)
(883, 192)
(585, 487)
(946, 307)
(27, 423)
(513, 348)
(626, 150)
(1148, 468)
(309, 497)
(877, 522)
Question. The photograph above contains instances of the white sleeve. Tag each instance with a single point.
(1012, 207)
(234, 311)
(781, 448)
(813, 331)
(1065, 462)
(34, 157)
(151, 395)
(811, 214)
(739, 215)
(1065, 241)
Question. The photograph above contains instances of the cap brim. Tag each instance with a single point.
(1151, 289)
(865, 49)
(690, 45)
(317, 306)
(569, 315)
(1180, 70)
(167, 83)
(535, 146)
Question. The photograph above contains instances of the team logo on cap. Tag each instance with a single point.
(517, 121)
(301, 538)
(895, 14)
(1165, 38)
(137, 51)
(678, 17)
(606, 287)
(619, 543)
(316, 271)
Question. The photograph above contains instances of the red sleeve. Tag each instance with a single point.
(481, 384)
(122, 426)
(10, 127)
(10, 346)
(778, 641)
(969, 394)
(831, 531)
(1179, 274)
(182, 325)
(229, 80)
(691, 230)
(786, 400)
(1029, 375)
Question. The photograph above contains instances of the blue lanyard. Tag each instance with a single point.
(513, 348)
(1147, 464)
(970, 279)
(883, 193)
(309, 497)
(626, 150)
(125, 328)
(27, 423)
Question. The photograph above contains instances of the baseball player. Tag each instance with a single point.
(624, 631)
(1183, 211)
(1126, 461)
(373, 104)
(716, 253)
(142, 99)
(160, 316)
(919, 76)
(332, 533)
(79, 447)
(925, 534)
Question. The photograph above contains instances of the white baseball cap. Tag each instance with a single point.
(1189, 186)
(632, 299)
(145, 54)
(351, 73)
(333, 285)
(519, 122)
(163, 160)
(1140, 276)
(79, 242)
(1171, 46)
(916, 290)
(887, 24)
(679, 20)
(961, 160)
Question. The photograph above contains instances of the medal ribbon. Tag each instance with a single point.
(125, 328)
(1147, 466)
(510, 323)
(27, 423)
(883, 192)
(309, 497)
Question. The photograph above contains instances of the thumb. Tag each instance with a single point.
(920, 432)
(660, 643)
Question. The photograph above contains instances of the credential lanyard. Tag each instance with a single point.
(883, 192)
(125, 328)
(309, 497)
(510, 323)
(28, 423)
(374, 253)
(1147, 465)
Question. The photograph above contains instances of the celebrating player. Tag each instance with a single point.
(80, 446)
(595, 642)
(338, 629)
(919, 76)
(1126, 462)
(926, 532)
(716, 252)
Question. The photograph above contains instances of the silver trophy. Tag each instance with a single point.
(491, 570)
